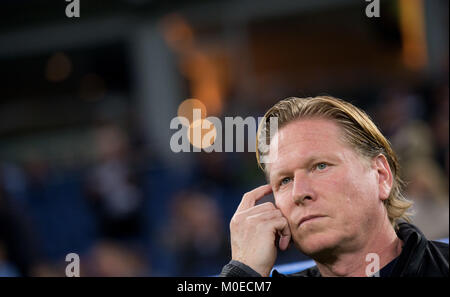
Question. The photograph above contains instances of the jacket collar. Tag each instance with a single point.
(410, 259)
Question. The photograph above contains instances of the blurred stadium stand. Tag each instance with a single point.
(86, 105)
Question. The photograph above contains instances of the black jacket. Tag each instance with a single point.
(419, 257)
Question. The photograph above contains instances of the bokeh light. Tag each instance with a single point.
(202, 133)
(187, 107)
(58, 67)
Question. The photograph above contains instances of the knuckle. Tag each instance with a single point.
(234, 222)
(284, 221)
(280, 221)
(276, 211)
(275, 214)
(238, 216)
(251, 219)
(268, 205)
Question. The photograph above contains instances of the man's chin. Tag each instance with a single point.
(315, 244)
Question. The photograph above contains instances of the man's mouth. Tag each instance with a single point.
(309, 218)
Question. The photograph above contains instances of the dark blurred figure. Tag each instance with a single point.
(196, 234)
(109, 258)
(214, 170)
(20, 253)
(420, 137)
(440, 125)
(397, 107)
(112, 186)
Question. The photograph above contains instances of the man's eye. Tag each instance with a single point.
(285, 180)
(321, 166)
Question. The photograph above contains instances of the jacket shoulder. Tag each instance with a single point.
(435, 263)
(442, 247)
(310, 272)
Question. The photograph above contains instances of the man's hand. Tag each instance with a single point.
(254, 229)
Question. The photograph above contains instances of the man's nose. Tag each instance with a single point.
(302, 191)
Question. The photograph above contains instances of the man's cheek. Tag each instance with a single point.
(282, 203)
(278, 200)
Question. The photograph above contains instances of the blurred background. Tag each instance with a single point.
(86, 103)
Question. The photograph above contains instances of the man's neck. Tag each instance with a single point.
(384, 243)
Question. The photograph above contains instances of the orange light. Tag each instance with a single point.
(187, 107)
(202, 133)
(412, 25)
(177, 33)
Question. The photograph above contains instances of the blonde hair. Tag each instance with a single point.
(359, 131)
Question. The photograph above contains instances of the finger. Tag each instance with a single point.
(249, 199)
(284, 231)
(284, 242)
(267, 206)
(264, 216)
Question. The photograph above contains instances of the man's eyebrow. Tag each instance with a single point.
(282, 172)
(277, 174)
(308, 162)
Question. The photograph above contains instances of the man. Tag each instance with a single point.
(337, 189)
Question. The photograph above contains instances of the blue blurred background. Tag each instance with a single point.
(86, 103)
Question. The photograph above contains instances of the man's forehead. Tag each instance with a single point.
(303, 139)
(314, 131)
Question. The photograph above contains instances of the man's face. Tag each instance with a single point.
(317, 174)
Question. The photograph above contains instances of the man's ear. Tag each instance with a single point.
(384, 173)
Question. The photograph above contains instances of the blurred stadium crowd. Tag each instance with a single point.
(127, 211)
